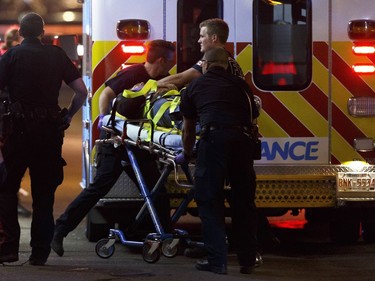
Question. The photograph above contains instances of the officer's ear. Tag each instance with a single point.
(214, 37)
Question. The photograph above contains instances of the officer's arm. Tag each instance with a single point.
(79, 97)
(105, 100)
(180, 79)
(188, 136)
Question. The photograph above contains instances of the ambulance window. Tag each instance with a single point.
(133, 29)
(189, 14)
(282, 44)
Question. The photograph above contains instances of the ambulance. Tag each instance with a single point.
(310, 63)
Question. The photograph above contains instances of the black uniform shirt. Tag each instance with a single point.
(218, 98)
(128, 77)
(33, 73)
(233, 66)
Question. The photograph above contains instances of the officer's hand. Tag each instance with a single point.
(65, 120)
(65, 123)
(100, 122)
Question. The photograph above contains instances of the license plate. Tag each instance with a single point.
(353, 181)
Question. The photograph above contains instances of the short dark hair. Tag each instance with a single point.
(159, 48)
(32, 25)
(217, 56)
(216, 26)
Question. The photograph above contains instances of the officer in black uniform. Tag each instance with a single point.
(33, 73)
(223, 104)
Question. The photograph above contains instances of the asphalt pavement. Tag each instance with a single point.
(305, 254)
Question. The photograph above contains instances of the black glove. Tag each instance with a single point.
(64, 120)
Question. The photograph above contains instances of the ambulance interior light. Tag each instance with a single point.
(361, 106)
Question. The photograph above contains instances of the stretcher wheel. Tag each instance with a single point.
(102, 251)
(151, 251)
(169, 247)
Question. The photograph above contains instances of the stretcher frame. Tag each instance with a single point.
(159, 242)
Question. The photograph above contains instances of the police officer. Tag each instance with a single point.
(33, 73)
(223, 104)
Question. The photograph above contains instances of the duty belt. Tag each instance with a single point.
(20, 112)
(207, 128)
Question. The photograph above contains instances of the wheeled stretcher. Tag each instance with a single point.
(141, 133)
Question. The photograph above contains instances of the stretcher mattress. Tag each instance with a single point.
(134, 132)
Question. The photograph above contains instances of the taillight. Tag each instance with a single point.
(363, 50)
(133, 49)
(362, 32)
(363, 68)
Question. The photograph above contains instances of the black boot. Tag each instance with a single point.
(57, 243)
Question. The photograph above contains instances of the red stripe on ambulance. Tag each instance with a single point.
(107, 66)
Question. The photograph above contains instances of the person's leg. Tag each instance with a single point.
(46, 174)
(15, 158)
(243, 182)
(209, 182)
(108, 171)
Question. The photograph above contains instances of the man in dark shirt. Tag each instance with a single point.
(213, 33)
(159, 60)
(225, 107)
(33, 74)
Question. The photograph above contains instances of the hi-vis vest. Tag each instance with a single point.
(170, 103)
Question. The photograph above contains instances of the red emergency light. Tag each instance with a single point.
(133, 49)
(363, 49)
(364, 68)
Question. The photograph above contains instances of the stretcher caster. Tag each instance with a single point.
(105, 248)
(151, 251)
(169, 247)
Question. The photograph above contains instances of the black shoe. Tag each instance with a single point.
(204, 265)
(8, 258)
(248, 269)
(195, 253)
(258, 260)
(57, 243)
(37, 261)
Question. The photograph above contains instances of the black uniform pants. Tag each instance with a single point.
(36, 145)
(226, 154)
(109, 169)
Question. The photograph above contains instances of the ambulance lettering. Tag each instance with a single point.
(292, 150)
